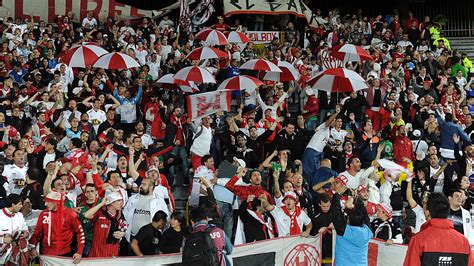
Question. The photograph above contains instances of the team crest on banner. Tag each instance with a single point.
(303, 254)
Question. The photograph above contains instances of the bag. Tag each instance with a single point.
(199, 250)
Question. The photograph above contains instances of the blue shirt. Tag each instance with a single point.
(353, 246)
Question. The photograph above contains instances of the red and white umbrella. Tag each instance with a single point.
(243, 82)
(350, 52)
(212, 37)
(260, 64)
(288, 73)
(169, 82)
(237, 37)
(203, 53)
(83, 55)
(338, 80)
(196, 74)
(116, 60)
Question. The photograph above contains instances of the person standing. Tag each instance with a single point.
(172, 239)
(13, 229)
(461, 218)
(109, 225)
(148, 237)
(56, 228)
(425, 247)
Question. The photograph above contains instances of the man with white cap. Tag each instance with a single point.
(290, 218)
(383, 227)
(109, 225)
(56, 228)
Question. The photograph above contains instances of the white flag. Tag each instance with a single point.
(208, 103)
(395, 168)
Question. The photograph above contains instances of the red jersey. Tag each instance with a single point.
(56, 234)
(102, 225)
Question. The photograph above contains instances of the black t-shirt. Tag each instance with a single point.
(148, 238)
(171, 241)
(456, 217)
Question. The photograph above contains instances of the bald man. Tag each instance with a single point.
(321, 178)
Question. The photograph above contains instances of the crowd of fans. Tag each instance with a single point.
(90, 156)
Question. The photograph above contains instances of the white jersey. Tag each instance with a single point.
(10, 224)
(15, 177)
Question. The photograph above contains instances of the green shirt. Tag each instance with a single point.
(87, 224)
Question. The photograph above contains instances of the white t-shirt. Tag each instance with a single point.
(96, 118)
(338, 135)
(12, 173)
(283, 221)
(49, 157)
(353, 182)
(320, 138)
(440, 182)
(420, 217)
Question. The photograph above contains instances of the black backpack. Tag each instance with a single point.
(199, 249)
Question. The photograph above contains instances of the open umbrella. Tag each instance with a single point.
(212, 37)
(116, 60)
(203, 53)
(167, 81)
(196, 74)
(237, 37)
(260, 64)
(338, 80)
(288, 73)
(83, 55)
(350, 52)
(242, 82)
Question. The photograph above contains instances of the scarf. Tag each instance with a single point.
(114, 225)
(267, 227)
(294, 226)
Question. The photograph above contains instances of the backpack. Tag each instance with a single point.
(199, 249)
(191, 137)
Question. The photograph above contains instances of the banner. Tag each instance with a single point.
(47, 10)
(262, 36)
(286, 251)
(381, 254)
(208, 103)
(276, 7)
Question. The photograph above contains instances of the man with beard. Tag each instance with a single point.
(257, 224)
(256, 142)
(255, 187)
(402, 146)
(241, 151)
(141, 208)
(109, 225)
(286, 140)
(68, 114)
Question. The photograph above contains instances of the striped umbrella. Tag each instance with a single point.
(242, 82)
(288, 73)
(203, 53)
(260, 64)
(196, 74)
(83, 55)
(212, 37)
(237, 37)
(338, 80)
(350, 52)
(116, 60)
(171, 83)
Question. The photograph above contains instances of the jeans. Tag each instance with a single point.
(311, 161)
(226, 217)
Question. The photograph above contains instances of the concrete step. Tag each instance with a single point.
(463, 44)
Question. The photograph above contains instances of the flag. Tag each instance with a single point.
(184, 16)
(203, 12)
(395, 168)
(208, 103)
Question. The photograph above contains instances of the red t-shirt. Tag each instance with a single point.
(102, 224)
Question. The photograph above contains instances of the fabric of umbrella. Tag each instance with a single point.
(83, 55)
(288, 73)
(260, 64)
(212, 37)
(196, 74)
(237, 37)
(350, 52)
(338, 80)
(242, 82)
(116, 60)
(167, 81)
(203, 53)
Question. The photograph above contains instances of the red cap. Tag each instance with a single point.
(12, 132)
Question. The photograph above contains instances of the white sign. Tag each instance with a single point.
(286, 251)
(262, 36)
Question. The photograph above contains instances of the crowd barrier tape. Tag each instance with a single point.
(286, 251)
